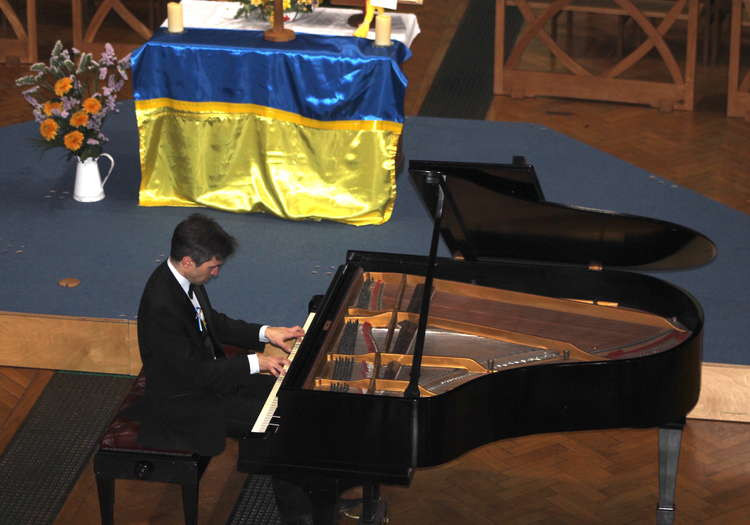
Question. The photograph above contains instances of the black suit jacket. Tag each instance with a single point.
(182, 407)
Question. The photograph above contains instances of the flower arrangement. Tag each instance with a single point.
(264, 8)
(70, 101)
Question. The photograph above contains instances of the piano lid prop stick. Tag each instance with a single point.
(175, 22)
(412, 390)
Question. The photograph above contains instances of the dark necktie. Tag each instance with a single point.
(202, 326)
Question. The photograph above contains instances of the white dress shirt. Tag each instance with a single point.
(252, 359)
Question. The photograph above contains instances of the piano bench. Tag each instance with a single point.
(121, 457)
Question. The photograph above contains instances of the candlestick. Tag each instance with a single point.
(174, 17)
(383, 30)
(278, 33)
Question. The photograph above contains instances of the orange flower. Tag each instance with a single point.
(63, 85)
(79, 118)
(92, 105)
(48, 129)
(50, 106)
(73, 140)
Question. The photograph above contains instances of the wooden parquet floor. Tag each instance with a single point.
(19, 389)
(703, 151)
(591, 477)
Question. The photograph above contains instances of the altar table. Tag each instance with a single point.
(306, 129)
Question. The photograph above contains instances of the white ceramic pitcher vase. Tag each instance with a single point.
(89, 186)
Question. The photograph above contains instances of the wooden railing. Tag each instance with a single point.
(85, 32)
(738, 88)
(23, 46)
(578, 81)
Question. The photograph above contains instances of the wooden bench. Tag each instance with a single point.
(121, 457)
(578, 81)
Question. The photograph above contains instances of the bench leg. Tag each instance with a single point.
(106, 489)
(190, 490)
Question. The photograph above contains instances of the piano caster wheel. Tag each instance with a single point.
(349, 507)
(352, 509)
(380, 517)
(665, 516)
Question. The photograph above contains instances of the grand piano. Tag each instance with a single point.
(539, 322)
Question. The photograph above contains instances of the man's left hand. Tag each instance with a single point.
(283, 336)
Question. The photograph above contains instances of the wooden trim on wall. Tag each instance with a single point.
(725, 393)
(58, 342)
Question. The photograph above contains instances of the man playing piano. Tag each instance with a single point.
(195, 395)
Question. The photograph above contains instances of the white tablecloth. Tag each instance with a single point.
(323, 21)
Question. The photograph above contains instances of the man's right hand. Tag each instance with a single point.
(272, 364)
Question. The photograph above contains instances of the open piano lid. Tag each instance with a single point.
(498, 212)
(506, 349)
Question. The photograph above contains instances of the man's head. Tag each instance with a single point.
(199, 248)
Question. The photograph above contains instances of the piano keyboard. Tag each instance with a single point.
(269, 407)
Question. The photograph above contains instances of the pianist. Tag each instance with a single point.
(195, 395)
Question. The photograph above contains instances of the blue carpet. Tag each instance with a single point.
(112, 246)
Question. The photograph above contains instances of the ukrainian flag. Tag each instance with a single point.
(307, 129)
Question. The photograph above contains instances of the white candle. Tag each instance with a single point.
(383, 30)
(174, 17)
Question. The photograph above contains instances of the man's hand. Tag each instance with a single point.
(274, 365)
(282, 336)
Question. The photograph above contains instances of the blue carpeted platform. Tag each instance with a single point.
(112, 246)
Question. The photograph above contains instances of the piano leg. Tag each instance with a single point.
(670, 437)
(374, 509)
(324, 503)
(327, 507)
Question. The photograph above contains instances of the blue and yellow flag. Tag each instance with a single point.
(307, 129)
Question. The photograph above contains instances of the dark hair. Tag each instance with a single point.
(201, 238)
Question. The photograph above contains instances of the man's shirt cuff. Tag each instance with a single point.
(252, 360)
